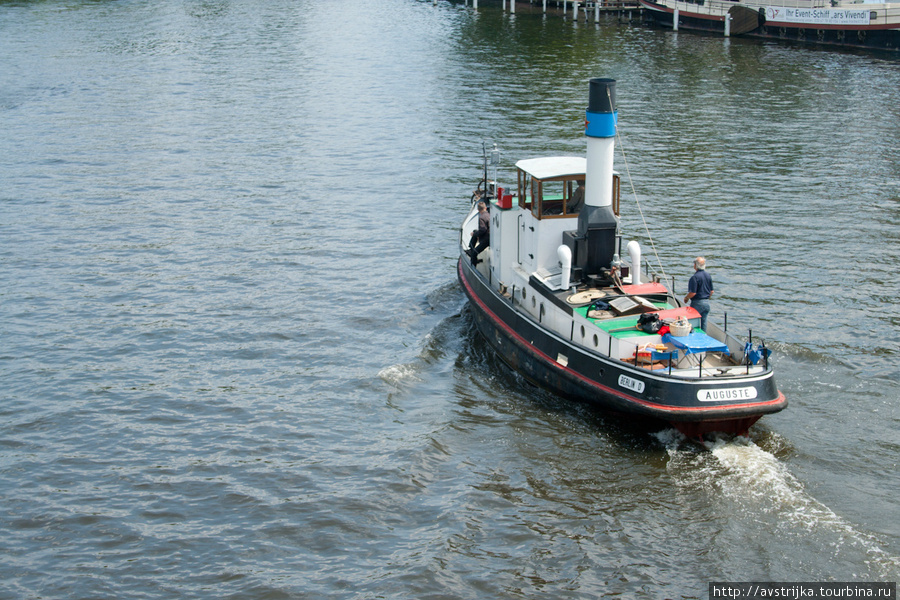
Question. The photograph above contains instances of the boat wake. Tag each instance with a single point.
(745, 480)
(400, 375)
(439, 318)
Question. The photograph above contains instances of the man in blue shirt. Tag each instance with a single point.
(700, 290)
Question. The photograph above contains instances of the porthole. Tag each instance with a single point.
(582, 331)
(533, 302)
(523, 294)
(596, 340)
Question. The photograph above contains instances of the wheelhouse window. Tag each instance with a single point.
(551, 198)
(526, 189)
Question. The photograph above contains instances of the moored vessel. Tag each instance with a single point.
(554, 296)
(845, 23)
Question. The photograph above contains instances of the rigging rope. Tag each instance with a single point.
(640, 210)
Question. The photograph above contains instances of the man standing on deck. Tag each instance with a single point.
(700, 290)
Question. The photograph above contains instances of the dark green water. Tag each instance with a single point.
(235, 362)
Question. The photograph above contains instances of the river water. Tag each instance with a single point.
(236, 363)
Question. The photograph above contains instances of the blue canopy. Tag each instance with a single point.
(695, 342)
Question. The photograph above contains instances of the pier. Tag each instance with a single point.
(574, 9)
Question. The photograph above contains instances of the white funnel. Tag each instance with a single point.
(600, 129)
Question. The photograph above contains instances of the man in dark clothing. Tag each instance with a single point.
(481, 237)
(700, 290)
(577, 201)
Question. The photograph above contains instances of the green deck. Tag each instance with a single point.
(621, 327)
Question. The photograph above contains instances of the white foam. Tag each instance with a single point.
(751, 470)
(671, 439)
(762, 487)
(399, 375)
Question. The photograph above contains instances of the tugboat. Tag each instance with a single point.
(552, 294)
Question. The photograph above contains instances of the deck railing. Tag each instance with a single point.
(880, 13)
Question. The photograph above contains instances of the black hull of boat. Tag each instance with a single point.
(870, 38)
(602, 381)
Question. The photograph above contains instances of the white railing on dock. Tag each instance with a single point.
(880, 12)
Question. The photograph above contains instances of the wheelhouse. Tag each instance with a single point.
(549, 187)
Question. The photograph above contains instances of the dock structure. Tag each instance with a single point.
(574, 9)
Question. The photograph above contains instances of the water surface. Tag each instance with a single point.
(236, 363)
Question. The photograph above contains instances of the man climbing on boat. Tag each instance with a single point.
(700, 290)
(481, 237)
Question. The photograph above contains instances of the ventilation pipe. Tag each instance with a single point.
(565, 260)
(634, 251)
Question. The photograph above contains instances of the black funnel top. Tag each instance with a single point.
(602, 96)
